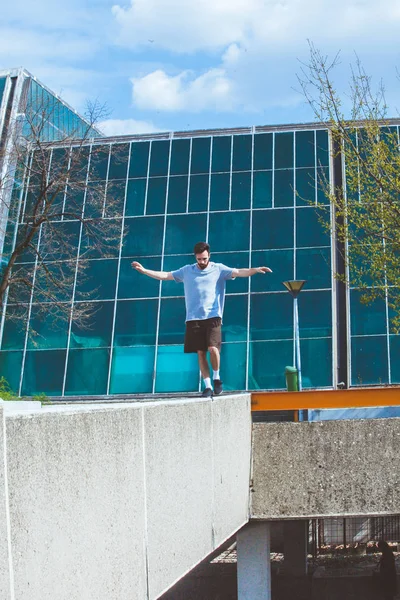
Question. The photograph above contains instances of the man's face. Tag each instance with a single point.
(203, 259)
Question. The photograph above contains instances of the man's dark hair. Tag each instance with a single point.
(201, 247)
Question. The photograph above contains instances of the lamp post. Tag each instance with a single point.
(294, 288)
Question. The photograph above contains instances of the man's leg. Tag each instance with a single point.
(205, 372)
(215, 359)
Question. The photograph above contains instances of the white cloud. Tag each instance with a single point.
(111, 127)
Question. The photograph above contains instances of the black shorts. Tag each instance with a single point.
(203, 333)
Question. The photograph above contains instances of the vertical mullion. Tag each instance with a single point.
(209, 191)
(316, 168)
(147, 177)
(250, 261)
(189, 174)
(294, 244)
(273, 170)
(162, 266)
(118, 272)
(106, 184)
(230, 173)
(66, 184)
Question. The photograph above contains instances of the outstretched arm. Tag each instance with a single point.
(161, 275)
(250, 272)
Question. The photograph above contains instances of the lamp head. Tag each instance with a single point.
(294, 287)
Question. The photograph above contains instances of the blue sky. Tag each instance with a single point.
(163, 65)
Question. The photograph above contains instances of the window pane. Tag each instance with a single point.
(221, 154)
(263, 151)
(200, 162)
(87, 372)
(132, 370)
(44, 372)
(143, 236)
(314, 265)
(139, 159)
(180, 157)
(198, 193)
(273, 229)
(220, 191)
(242, 153)
(367, 319)
(283, 189)
(10, 368)
(156, 195)
(15, 328)
(309, 230)
(47, 276)
(99, 162)
(132, 284)
(135, 196)
(97, 281)
(45, 331)
(73, 202)
(136, 323)
(283, 150)
(282, 264)
(28, 255)
(394, 358)
(369, 360)
(241, 190)
(172, 321)
(267, 362)
(234, 378)
(262, 189)
(315, 314)
(118, 161)
(322, 184)
(229, 231)
(316, 373)
(322, 148)
(176, 371)
(236, 260)
(235, 319)
(305, 187)
(59, 241)
(95, 199)
(183, 231)
(177, 194)
(159, 158)
(271, 316)
(172, 263)
(97, 330)
(305, 149)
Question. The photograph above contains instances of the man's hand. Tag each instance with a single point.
(263, 270)
(136, 265)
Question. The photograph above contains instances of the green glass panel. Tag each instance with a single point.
(132, 370)
(198, 193)
(115, 199)
(262, 189)
(283, 188)
(43, 372)
(156, 196)
(21, 290)
(273, 229)
(284, 150)
(233, 355)
(45, 331)
(305, 149)
(135, 197)
(229, 231)
(271, 316)
(316, 363)
(221, 154)
(172, 321)
(309, 230)
(177, 194)
(99, 162)
(267, 362)
(263, 151)
(74, 197)
(242, 153)
(236, 260)
(282, 264)
(47, 281)
(200, 160)
(172, 263)
(97, 329)
(322, 184)
(176, 371)
(183, 231)
(3, 81)
(305, 187)
(143, 236)
(136, 323)
(118, 161)
(15, 328)
(59, 163)
(159, 158)
(59, 241)
(10, 368)
(314, 265)
(95, 199)
(322, 148)
(235, 319)
(180, 157)
(241, 190)
(97, 280)
(87, 372)
(369, 360)
(139, 159)
(315, 314)
(220, 191)
(132, 284)
(394, 341)
(367, 319)
(28, 255)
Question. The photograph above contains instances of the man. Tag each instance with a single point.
(204, 285)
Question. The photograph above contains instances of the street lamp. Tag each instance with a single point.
(294, 288)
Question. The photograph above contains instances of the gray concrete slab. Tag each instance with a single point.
(6, 570)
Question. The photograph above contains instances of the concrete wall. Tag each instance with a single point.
(117, 502)
(330, 468)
